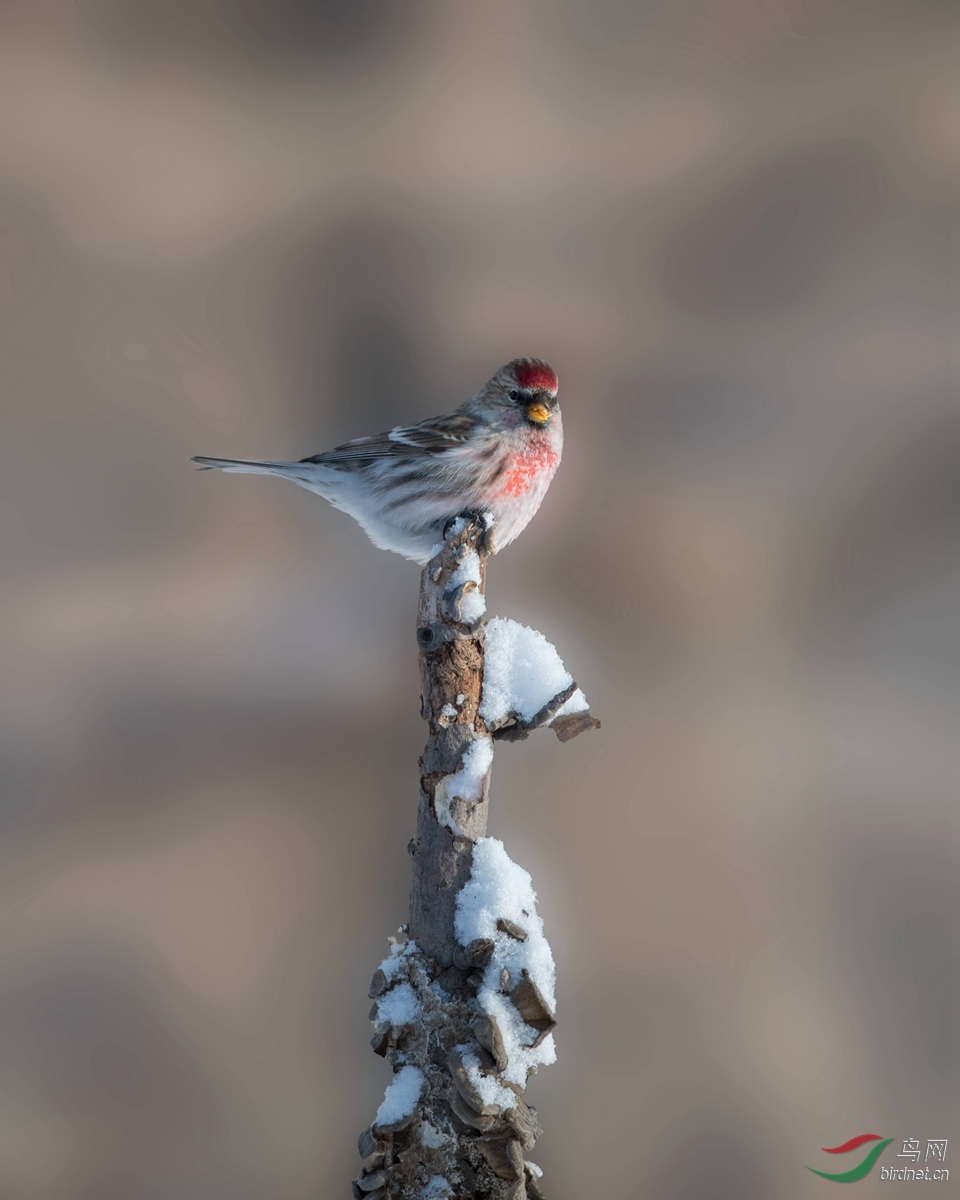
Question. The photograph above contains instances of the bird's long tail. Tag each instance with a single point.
(248, 467)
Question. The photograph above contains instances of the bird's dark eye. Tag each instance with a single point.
(514, 394)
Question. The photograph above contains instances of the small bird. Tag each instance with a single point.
(496, 454)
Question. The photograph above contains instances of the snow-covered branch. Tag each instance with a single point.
(464, 1008)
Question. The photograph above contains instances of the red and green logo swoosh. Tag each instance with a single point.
(861, 1169)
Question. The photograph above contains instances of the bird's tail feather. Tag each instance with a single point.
(246, 466)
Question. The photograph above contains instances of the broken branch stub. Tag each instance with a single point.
(515, 728)
(571, 724)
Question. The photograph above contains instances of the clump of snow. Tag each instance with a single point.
(467, 781)
(469, 569)
(498, 888)
(472, 607)
(448, 711)
(535, 1171)
(436, 1188)
(392, 964)
(461, 698)
(522, 672)
(400, 1006)
(401, 1096)
(522, 1057)
(491, 1091)
(472, 603)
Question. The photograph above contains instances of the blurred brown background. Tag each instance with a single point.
(258, 228)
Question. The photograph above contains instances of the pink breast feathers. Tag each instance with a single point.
(527, 469)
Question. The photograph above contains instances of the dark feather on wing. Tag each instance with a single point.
(433, 436)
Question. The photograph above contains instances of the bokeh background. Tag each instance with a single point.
(259, 227)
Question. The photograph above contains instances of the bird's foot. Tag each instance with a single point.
(483, 521)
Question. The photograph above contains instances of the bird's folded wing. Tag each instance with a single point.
(434, 436)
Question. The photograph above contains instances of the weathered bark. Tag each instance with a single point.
(451, 681)
(453, 1143)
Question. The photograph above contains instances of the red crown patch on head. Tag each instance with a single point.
(536, 375)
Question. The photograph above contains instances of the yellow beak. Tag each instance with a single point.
(538, 412)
